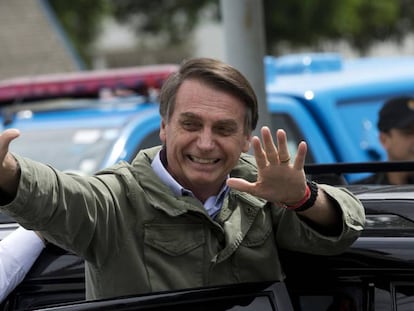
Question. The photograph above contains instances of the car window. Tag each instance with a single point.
(293, 133)
(76, 149)
(330, 297)
(398, 294)
(151, 140)
(403, 295)
(359, 117)
(378, 296)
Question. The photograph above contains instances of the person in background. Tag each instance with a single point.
(197, 210)
(396, 134)
(18, 251)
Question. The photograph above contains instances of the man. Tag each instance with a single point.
(194, 212)
(18, 251)
(396, 134)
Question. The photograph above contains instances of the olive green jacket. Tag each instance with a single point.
(137, 236)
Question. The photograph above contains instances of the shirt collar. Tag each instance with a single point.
(165, 176)
(159, 169)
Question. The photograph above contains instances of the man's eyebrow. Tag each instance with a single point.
(227, 122)
(223, 122)
(188, 115)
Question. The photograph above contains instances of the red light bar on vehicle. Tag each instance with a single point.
(85, 83)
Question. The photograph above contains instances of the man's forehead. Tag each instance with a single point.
(192, 115)
(409, 128)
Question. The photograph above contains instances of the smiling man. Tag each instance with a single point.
(204, 137)
(196, 211)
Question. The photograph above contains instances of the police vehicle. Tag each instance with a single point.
(84, 121)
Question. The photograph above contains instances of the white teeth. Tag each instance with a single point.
(203, 161)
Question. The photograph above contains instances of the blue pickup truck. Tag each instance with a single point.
(328, 101)
(333, 103)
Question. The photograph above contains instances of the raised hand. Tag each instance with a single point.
(278, 180)
(9, 169)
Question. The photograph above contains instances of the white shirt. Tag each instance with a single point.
(18, 251)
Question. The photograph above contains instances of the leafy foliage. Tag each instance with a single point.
(299, 23)
(82, 20)
(308, 23)
(174, 18)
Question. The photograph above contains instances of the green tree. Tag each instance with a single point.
(175, 19)
(308, 23)
(297, 23)
(81, 20)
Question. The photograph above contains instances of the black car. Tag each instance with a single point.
(375, 273)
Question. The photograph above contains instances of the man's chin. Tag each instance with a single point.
(203, 180)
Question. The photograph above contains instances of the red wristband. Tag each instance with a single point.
(302, 201)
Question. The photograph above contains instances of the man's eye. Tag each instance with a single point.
(190, 125)
(225, 130)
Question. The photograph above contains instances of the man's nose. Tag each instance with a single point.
(206, 139)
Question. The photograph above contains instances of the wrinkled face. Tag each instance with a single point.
(399, 144)
(204, 137)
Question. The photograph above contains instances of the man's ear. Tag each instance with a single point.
(383, 138)
(162, 131)
(246, 145)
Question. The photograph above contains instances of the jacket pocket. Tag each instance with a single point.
(257, 257)
(174, 255)
(258, 233)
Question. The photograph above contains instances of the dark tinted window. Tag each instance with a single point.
(400, 294)
(4, 219)
(388, 225)
(404, 296)
(335, 298)
(247, 303)
(151, 140)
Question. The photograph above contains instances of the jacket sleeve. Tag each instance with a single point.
(66, 208)
(294, 234)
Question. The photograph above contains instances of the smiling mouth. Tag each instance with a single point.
(203, 160)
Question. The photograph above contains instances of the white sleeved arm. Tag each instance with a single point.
(18, 251)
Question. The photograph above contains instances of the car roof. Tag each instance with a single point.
(96, 97)
(84, 83)
(80, 113)
(339, 75)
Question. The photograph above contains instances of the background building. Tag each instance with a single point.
(31, 41)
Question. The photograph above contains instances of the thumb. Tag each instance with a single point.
(5, 139)
(240, 184)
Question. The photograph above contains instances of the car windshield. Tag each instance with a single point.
(70, 149)
(70, 134)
